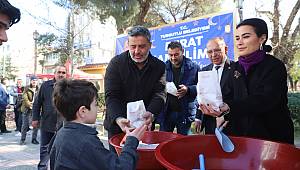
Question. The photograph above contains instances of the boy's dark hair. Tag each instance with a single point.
(70, 95)
(175, 44)
(12, 12)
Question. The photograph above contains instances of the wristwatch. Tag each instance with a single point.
(225, 112)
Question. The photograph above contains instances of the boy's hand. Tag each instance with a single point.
(198, 124)
(123, 123)
(138, 132)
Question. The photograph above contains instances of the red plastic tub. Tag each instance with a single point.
(147, 158)
(249, 153)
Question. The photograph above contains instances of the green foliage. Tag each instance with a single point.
(62, 59)
(7, 69)
(45, 44)
(46, 39)
(50, 44)
(149, 13)
(101, 102)
(124, 11)
(169, 11)
(295, 70)
(294, 106)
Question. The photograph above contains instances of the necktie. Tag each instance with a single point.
(217, 68)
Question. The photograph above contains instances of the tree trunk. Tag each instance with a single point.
(275, 37)
(144, 8)
(291, 82)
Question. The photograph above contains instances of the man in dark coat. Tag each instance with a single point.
(44, 112)
(131, 76)
(180, 108)
(217, 53)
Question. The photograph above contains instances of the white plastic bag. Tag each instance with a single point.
(135, 111)
(209, 90)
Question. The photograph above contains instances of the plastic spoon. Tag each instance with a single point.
(201, 160)
(224, 141)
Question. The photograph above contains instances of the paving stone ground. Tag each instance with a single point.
(21, 157)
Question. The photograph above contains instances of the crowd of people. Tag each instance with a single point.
(254, 91)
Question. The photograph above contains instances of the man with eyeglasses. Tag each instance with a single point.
(217, 53)
(45, 114)
(180, 108)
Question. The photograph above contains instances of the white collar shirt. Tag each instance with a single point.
(219, 71)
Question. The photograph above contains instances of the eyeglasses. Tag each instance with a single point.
(218, 51)
(61, 72)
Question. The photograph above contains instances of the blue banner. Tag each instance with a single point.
(193, 35)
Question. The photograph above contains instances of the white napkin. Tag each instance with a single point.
(144, 145)
(171, 88)
(135, 111)
(147, 146)
(209, 90)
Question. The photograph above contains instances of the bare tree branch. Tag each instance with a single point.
(187, 6)
(290, 20)
(295, 33)
(46, 22)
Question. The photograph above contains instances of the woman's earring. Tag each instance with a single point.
(261, 47)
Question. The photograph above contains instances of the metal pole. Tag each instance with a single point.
(35, 57)
(240, 9)
(35, 37)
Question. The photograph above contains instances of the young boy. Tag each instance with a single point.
(76, 145)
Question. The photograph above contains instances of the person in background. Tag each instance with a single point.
(4, 100)
(9, 15)
(217, 53)
(131, 76)
(180, 110)
(26, 109)
(76, 145)
(17, 92)
(256, 96)
(44, 113)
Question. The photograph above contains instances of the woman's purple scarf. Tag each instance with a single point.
(251, 59)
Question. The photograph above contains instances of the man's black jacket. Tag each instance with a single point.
(124, 83)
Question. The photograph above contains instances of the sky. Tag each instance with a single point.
(28, 24)
(250, 5)
(21, 35)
